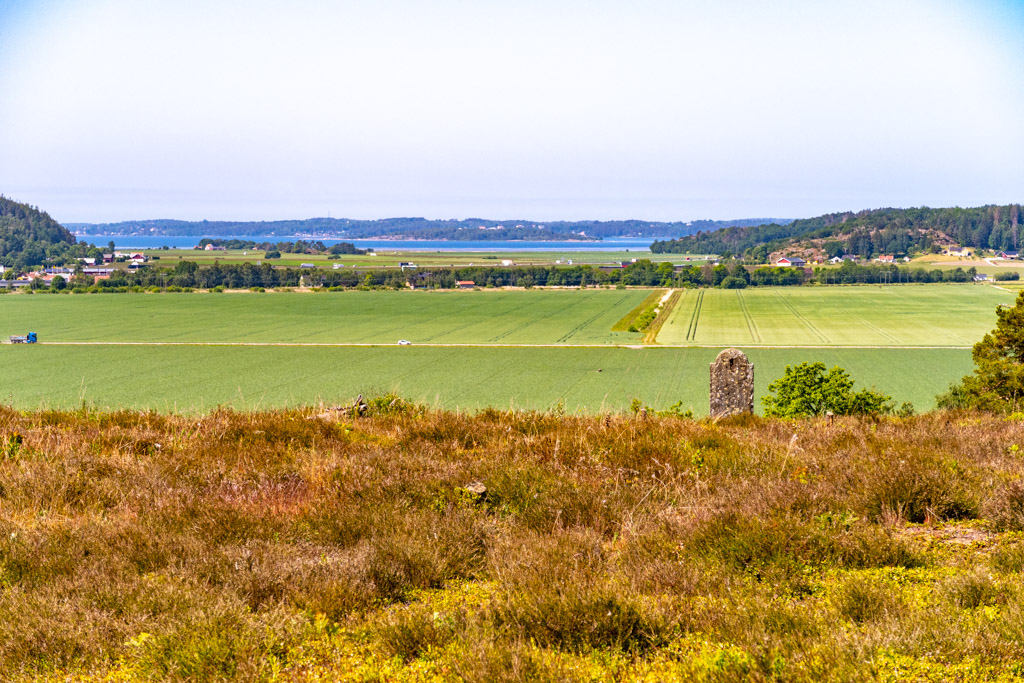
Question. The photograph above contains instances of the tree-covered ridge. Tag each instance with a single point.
(29, 236)
(865, 233)
(416, 228)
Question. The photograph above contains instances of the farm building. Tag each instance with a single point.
(886, 258)
(791, 262)
(1012, 255)
(466, 284)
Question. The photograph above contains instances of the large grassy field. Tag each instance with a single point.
(198, 378)
(377, 317)
(390, 258)
(929, 315)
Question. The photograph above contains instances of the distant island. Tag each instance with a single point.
(475, 229)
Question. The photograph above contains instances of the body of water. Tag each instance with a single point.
(157, 241)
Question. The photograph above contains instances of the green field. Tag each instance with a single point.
(198, 378)
(929, 315)
(389, 258)
(374, 317)
(508, 362)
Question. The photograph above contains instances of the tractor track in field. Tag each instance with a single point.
(799, 316)
(495, 346)
(755, 335)
(691, 331)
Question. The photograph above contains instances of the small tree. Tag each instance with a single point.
(997, 384)
(808, 389)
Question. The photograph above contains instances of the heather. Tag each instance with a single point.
(409, 544)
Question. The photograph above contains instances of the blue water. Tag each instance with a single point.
(157, 241)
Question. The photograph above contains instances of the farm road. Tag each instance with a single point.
(507, 346)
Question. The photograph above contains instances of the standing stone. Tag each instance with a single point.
(732, 384)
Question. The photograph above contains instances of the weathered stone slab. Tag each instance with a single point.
(732, 384)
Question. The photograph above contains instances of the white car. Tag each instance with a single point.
(404, 342)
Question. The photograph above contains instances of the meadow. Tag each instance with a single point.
(199, 378)
(369, 317)
(905, 315)
(422, 258)
(413, 545)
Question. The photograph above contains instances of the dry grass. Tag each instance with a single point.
(294, 545)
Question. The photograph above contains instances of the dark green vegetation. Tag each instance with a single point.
(30, 237)
(198, 378)
(417, 228)
(865, 233)
(306, 546)
(997, 384)
(809, 389)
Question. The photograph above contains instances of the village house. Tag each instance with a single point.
(465, 284)
(790, 262)
(886, 258)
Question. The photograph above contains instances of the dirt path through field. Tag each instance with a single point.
(503, 346)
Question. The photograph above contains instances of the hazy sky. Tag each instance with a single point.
(548, 109)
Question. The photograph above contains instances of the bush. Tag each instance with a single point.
(733, 282)
(807, 390)
(1005, 509)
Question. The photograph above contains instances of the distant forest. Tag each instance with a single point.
(417, 228)
(865, 233)
(29, 237)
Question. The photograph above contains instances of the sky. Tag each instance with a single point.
(534, 109)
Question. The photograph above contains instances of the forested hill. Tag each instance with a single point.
(865, 233)
(29, 236)
(415, 228)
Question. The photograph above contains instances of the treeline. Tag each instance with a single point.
(418, 228)
(29, 237)
(297, 247)
(643, 273)
(866, 233)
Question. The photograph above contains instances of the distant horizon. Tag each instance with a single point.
(532, 221)
(651, 110)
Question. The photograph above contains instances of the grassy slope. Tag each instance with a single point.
(199, 378)
(292, 547)
(936, 315)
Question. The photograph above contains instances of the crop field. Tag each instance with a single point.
(198, 378)
(935, 315)
(376, 317)
(389, 258)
